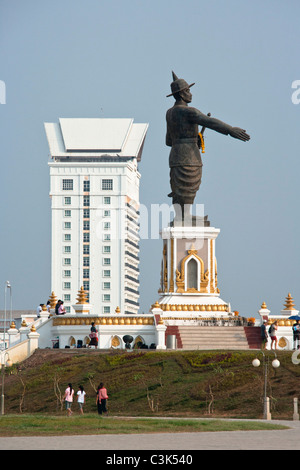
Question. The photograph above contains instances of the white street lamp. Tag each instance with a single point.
(8, 363)
(275, 364)
(7, 286)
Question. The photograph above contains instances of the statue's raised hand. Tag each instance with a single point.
(240, 134)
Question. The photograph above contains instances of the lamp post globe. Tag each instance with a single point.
(256, 362)
(275, 363)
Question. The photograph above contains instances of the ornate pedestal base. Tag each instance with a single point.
(189, 286)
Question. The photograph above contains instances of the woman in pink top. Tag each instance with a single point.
(101, 399)
(68, 397)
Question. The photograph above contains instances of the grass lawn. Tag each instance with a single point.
(49, 425)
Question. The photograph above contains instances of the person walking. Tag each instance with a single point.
(68, 397)
(264, 335)
(102, 398)
(81, 398)
(272, 333)
(93, 336)
(296, 334)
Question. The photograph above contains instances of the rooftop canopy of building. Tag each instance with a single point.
(86, 138)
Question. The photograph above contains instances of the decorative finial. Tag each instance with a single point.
(81, 299)
(289, 303)
(33, 328)
(53, 300)
(118, 310)
(264, 305)
(23, 324)
(13, 325)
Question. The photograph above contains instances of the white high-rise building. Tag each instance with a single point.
(94, 190)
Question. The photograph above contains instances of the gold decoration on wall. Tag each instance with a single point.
(112, 320)
(217, 290)
(180, 275)
(171, 289)
(115, 342)
(82, 298)
(282, 342)
(289, 303)
(212, 289)
(165, 268)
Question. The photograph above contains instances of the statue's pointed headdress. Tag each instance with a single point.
(178, 85)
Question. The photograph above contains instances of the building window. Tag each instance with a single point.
(106, 199)
(86, 261)
(106, 237)
(86, 186)
(106, 297)
(86, 249)
(86, 273)
(67, 201)
(67, 249)
(68, 309)
(106, 261)
(67, 185)
(67, 261)
(86, 225)
(106, 273)
(67, 213)
(106, 249)
(67, 285)
(67, 273)
(67, 298)
(86, 285)
(106, 309)
(86, 201)
(107, 213)
(107, 185)
(67, 225)
(67, 237)
(86, 237)
(106, 225)
(106, 285)
(86, 213)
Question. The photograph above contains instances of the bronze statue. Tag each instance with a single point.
(183, 136)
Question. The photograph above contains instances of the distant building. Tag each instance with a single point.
(94, 191)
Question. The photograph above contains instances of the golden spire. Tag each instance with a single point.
(81, 299)
(53, 300)
(289, 303)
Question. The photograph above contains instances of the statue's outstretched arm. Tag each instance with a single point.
(219, 126)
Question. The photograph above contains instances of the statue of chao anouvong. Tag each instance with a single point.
(183, 136)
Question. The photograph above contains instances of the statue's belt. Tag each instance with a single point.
(191, 140)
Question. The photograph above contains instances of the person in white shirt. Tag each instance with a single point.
(39, 310)
(81, 398)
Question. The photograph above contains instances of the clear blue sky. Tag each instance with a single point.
(113, 58)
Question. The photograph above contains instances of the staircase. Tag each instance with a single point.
(215, 337)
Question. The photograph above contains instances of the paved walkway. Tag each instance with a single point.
(230, 440)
